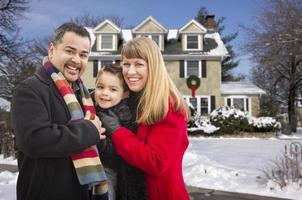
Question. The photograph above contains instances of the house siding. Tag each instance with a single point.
(255, 106)
(87, 76)
(106, 28)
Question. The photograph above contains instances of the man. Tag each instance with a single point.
(49, 124)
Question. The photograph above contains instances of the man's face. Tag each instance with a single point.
(70, 56)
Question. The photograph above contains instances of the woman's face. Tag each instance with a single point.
(135, 71)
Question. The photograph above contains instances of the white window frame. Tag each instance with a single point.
(199, 42)
(99, 46)
(244, 97)
(199, 68)
(199, 97)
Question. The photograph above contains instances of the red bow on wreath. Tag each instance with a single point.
(193, 82)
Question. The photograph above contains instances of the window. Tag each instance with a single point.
(192, 68)
(155, 38)
(239, 102)
(200, 103)
(192, 42)
(204, 106)
(107, 41)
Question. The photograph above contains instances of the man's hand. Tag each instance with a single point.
(97, 123)
(110, 122)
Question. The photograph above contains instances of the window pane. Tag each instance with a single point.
(107, 41)
(192, 67)
(156, 39)
(204, 104)
(238, 103)
(193, 101)
(192, 42)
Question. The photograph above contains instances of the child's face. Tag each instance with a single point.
(108, 90)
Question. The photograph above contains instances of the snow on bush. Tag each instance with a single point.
(230, 120)
(202, 123)
(264, 124)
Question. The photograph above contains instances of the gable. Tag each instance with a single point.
(192, 28)
(150, 27)
(107, 28)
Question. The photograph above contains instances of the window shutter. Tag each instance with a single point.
(247, 104)
(229, 102)
(95, 68)
(181, 69)
(213, 106)
(204, 69)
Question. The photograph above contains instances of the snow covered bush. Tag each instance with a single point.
(201, 125)
(229, 120)
(264, 124)
(286, 170)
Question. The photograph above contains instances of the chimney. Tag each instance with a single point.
(211, 25)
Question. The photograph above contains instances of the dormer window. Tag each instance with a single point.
(193, 42)
(106, 42)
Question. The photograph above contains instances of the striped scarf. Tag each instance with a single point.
(87, 164)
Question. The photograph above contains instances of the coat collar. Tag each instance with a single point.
(43, 76)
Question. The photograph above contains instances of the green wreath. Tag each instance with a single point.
(193, 79)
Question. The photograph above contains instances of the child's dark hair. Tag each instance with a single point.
(115, 70)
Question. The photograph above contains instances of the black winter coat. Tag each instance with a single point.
(45, 140)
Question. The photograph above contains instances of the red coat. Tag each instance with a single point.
(158, 150)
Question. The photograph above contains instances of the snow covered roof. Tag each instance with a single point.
(4, 104)
(172, 34)
(240, 88)
(220, 50)
(127, 34)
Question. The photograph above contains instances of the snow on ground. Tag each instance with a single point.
(232, 164)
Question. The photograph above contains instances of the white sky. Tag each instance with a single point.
(230, 165)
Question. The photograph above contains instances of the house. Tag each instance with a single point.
(190, 51)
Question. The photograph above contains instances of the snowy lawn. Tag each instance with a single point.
(224, 164)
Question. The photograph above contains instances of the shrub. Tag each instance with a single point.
(229, 120)
(265, 124)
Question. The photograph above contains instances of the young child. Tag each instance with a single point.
(110, 95)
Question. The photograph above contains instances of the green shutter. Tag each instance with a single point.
(213, 104)
(204, 69)
(95, 68)
(181, 69)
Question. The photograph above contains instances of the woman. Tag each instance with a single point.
(161, 139)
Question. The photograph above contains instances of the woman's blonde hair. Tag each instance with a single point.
(153, 104)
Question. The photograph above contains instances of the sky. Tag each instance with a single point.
(228, 164)
(44, 15)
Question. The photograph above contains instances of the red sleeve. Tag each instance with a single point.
(164, 141)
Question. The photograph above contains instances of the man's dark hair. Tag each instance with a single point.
(68, 27)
